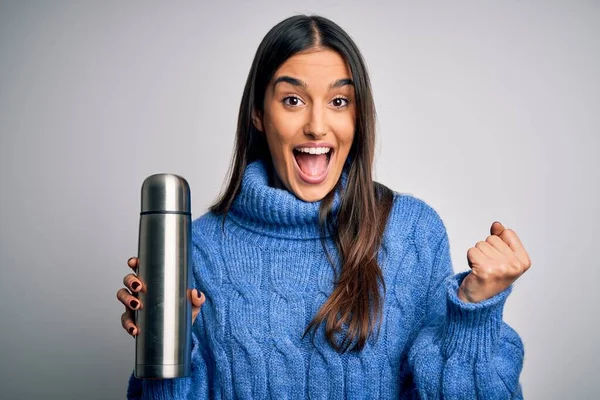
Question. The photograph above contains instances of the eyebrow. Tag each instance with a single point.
(298, 82)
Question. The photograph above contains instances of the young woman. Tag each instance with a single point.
(317, 282)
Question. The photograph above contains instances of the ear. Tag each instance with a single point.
(257, 120)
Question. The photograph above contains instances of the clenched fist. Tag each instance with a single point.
(495, 264)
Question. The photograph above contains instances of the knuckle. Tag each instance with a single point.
(503, 269)
(488, 273)
(517, 264)
(516, 267)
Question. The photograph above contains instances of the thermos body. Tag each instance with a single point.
(163, 342)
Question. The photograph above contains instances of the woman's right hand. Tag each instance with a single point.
(132, 303)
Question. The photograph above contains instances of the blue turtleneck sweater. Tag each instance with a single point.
(265, 279)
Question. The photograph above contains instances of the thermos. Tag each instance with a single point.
(163, 342)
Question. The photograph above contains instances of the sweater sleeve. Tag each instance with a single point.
(464, 350)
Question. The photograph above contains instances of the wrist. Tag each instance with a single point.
(461, 295)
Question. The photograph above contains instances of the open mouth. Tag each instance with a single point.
(312, 163)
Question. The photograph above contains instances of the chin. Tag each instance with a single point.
(311, 195)
(309, 192)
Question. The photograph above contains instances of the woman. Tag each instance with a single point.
(315, 281)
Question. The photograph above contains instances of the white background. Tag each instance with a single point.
(486, 110)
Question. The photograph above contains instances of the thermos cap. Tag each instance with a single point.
(165, 193)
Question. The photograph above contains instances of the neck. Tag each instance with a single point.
(274, 180)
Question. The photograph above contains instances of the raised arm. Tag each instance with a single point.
(464, 350)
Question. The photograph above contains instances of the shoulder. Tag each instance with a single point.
(416, 219)
(206, 227)
(415, 234)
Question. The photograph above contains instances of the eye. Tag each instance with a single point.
(293, 101)
(338, 102)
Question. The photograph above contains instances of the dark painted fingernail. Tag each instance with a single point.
(131, 330)
(133, 303)
(135, 285)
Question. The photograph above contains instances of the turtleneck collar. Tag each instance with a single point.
(275, 212)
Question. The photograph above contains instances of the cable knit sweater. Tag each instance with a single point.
(265, 279)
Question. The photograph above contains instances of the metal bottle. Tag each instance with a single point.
(163, 342)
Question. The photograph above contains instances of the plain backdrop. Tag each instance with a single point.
(486, 110)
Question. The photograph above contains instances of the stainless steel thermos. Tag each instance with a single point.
(163, 342)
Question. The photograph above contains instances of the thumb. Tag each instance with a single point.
(497, 228)
(198, 300)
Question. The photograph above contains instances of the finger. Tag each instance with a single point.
(133, 262)
(488, 250)
(510, 237)
(128, 323)
(129, 301)
(477, 261)
(198, 298)
(132, 282)
(497, 228)
(512, 240)
(499, 245)
(475, 257)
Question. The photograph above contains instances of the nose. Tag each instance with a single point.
(316, 126)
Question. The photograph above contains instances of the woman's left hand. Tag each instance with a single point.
(495, 264)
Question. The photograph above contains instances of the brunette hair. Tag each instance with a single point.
(354, 308)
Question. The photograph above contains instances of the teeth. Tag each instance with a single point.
(314, 150)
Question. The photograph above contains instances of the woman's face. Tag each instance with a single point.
(309, 118)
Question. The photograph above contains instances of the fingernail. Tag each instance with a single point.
(130, 258)
(135, 285)
(131, 330)
(133, 304)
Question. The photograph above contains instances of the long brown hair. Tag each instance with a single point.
(354, 307)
